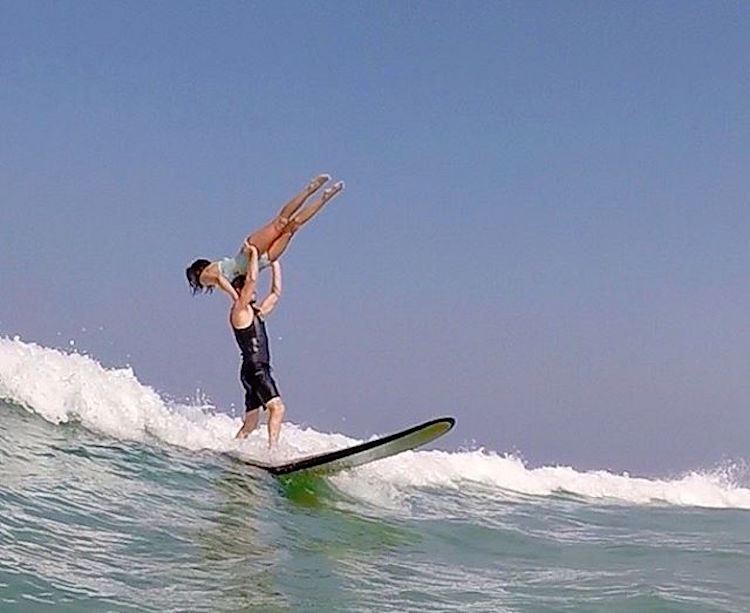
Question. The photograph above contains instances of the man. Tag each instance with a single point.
(249, 327)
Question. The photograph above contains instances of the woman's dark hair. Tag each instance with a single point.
(193, 273)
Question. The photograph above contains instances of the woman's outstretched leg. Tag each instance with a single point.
(282, 242)
(306, 214)
(291, 207)
(264, 237)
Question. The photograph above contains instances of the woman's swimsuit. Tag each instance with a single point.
(233, 267)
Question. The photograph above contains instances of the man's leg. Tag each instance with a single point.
(275, 416)
(249, 423)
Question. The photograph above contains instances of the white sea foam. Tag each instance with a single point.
(506, 474)
(61, 386)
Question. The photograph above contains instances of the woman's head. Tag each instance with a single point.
(193, 273)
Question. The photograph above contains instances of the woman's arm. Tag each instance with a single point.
(226, 286)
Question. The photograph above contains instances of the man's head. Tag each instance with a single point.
(238, 283)
(193, 273)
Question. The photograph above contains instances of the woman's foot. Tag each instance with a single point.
(330, 192)
(315, 184)
(291, 207)
(307, 213)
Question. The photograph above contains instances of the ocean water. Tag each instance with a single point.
(113, 499)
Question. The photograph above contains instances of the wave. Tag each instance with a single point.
(61, 387)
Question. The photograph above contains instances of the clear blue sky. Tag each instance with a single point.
(545, 230)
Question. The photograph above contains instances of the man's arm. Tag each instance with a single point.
(269, 302)
(251, 277)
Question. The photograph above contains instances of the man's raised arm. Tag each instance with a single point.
(269, 302)
(251, 278)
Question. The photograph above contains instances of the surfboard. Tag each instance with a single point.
(363, 453)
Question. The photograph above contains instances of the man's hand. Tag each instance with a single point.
(248, 247)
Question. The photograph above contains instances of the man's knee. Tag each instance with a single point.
(276, 407)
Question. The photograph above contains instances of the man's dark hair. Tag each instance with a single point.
(238, 283)
(193, 273)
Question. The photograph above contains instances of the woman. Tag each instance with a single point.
(270, 241)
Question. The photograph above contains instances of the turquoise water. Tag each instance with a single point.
(113, 499)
